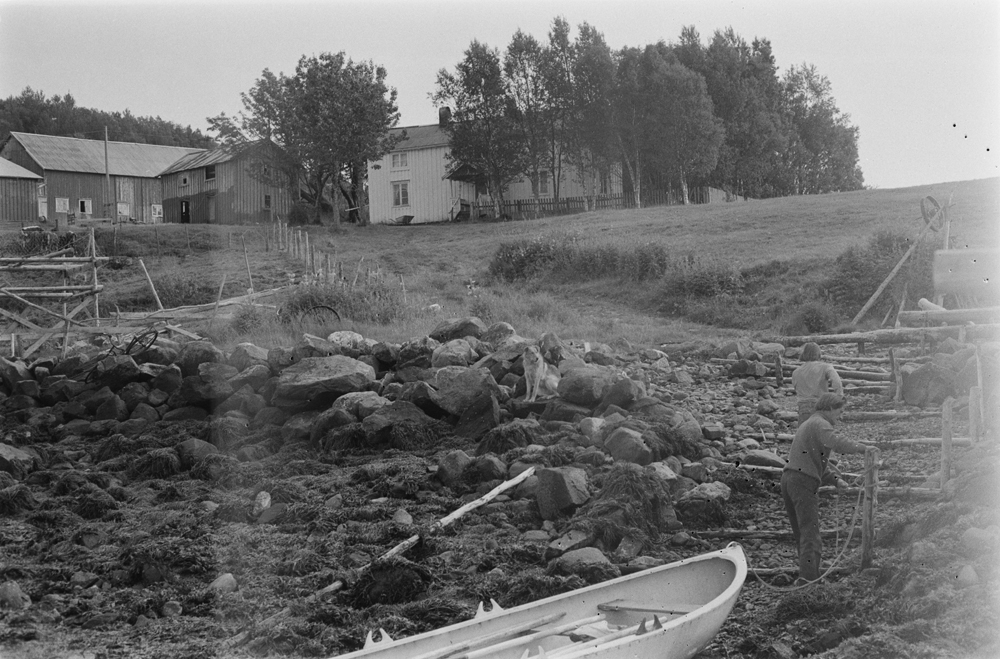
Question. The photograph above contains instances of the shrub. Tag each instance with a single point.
(860, 269)
(814, 318)
(378, 302)
(301, 213)
(523, 259)
(702, 279)
(178, 289)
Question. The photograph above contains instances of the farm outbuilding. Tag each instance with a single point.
(227, 186)
(19, 189)
(76, 173)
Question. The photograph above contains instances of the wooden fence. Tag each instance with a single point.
(521, 209)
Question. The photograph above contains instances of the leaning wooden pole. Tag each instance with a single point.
(149, 280)
(403, 546)
(878, 292)
(868, 511)
(246, 257)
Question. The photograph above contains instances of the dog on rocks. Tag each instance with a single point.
(541, 378)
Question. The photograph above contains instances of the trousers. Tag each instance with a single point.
(801, 496)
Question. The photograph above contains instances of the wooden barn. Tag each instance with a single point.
(20, 191)
(76, 175)
(227, 186)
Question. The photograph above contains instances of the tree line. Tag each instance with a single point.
(33, 112)
(668, 115)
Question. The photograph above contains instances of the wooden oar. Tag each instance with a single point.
(490, 639)
(624, 605)
(524, 640)
(571, 650)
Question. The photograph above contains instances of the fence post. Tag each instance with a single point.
(975, 415)
(946, 409)
(868, 511)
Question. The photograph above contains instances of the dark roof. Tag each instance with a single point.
(72, 154)
(10, 169)
(420, 137)
(202, 159)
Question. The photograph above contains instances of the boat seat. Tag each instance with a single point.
(630, 605)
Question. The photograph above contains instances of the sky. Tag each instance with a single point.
(920, 78)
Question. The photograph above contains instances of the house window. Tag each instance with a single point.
(86, 207)
(401, 193)
(41, 191)
(399, 160)
(184, 179)
(267, 201)
(543, 182)
(210, 173)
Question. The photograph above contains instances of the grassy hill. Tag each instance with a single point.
(804, 235)
(649, 276)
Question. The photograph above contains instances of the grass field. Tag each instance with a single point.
(783, 250)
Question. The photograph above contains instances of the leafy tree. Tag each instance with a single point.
(523, 70)
(590, 140)
(32, 112)
(683, 135)
(742, 81)
(557, 72)
(329, 118)
(485, 131)
(823, 153)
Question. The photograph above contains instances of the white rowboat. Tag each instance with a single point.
(668, 612)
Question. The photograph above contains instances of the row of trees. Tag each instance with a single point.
(33, 112)
(329, 118)
(667, 114)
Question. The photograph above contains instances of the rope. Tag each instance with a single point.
(836, 561)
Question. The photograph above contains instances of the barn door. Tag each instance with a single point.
(185, 211)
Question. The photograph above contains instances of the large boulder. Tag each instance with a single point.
(12, 372)
(482, 416)
(379, 425)
(627, 445)
(315, 381)
(561, 490)
(360, 404)
(458, 328)
(456, 352)
(927, 385)
(459, 387)
(15, 462)
(194, 353)
(585, 385)
(417, 352)
(703, 504)
(245, 355)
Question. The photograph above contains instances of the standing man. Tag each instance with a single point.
(800, 480)
(813, 379)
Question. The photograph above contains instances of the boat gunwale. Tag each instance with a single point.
(733, 553)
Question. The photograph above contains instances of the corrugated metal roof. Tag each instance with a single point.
(71, 154)
(420, 137)
(10, 169)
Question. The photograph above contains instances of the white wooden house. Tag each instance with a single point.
(415, 180)
(417, 183)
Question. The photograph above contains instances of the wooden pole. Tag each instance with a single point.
(246, 257)
(404, 545)
(902, 303)
(946, 409)
(975, 414)
(218, 299)
(897, 375)
(93, 265)
(149, 280)
(868, 511)
(305, 252)
(878, 292)
(156, 236)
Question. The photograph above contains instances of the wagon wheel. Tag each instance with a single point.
(319, 313)
(142, 342)
(931, 210)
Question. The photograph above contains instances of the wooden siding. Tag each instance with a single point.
(239, 197)
(14, 152)
(18, 202)
(432, 197)
(569, 187)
